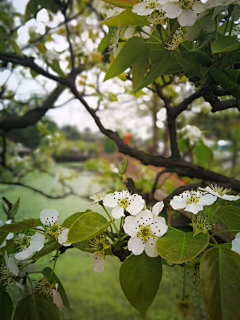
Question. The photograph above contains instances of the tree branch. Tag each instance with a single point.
(32, 116)
(217, 104)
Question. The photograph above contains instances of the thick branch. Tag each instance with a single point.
(32, 116)
(184, 104)
(218, 105)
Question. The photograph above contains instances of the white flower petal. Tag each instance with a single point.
(98, 262)
(3, 244)
(137, 204)
(37, 242)
(24, 254)
(178, 203)
(187, 18)
(49, 216)
(136, 245)
(159, 227)
(173, 10)
(12, 266)
(57, 298)
(118, 212)
(131, 226)
(144, 217)
(62, 238)
(111, 199)
(207, 199)
(150, 247)
(10, 236)
(194, 207)
(157, 208)
(236, 245)
(230, 198)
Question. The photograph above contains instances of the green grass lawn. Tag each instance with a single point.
(95, 296)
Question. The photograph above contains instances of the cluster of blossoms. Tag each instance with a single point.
(143, 226)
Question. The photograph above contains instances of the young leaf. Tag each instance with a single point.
(134, 49)
(15, 46)
(178, 247)
(6, 305)
(15, 207)
(155, 72)
(87, 226)
(122, 3)
(19, 226)
(124, 166)
(220, 283)
(2, 236)
(56, 67)
(49, 247)
(67, 223)
(139, 69)
(203, 154)
(225, 44)
(140, 278)
(104, 43)
(230, 216)
(51, 278)
(36, 307)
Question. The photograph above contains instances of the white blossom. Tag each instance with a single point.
(146, 7)
(97, 197)
(9, 271)
(192, 201)
(236, 243)
(144, 230)
(220, 192)
(157, 208)
(49, 218)
(98, 246)
(184, 11)
(29, 245)
(192, 133)
(123, 200)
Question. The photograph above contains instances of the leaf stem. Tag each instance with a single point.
(102, 205)
(214, 240)
(54, 265)
(232, 230)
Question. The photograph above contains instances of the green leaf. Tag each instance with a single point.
(49, 247)
(56, 67)
(140, 278)
(127, 18)
(51, 276)
(19, 226)
(2, 236)
(69, 221)
(225, 44)
(15, 207)
(203, 154)
(15, 46)
(122, 3)
(155, 72)
(104, 43)
(124, 166)
(178, 247)
(31, 9)
(139, 69)
(36, 307)
(230, 216)
(6, 305)
(134, 49)
(220, 283)
(87, 226)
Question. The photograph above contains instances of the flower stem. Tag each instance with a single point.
(54, 265)
(102, 205)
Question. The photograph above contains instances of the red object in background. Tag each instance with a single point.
(127, 137)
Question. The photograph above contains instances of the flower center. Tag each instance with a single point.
(22, 242)
(45, 287)
(5, 275)
(145, 232)
(99, 244)
(123, 203)
(184, 4)
(157, 17)
(151, 4)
